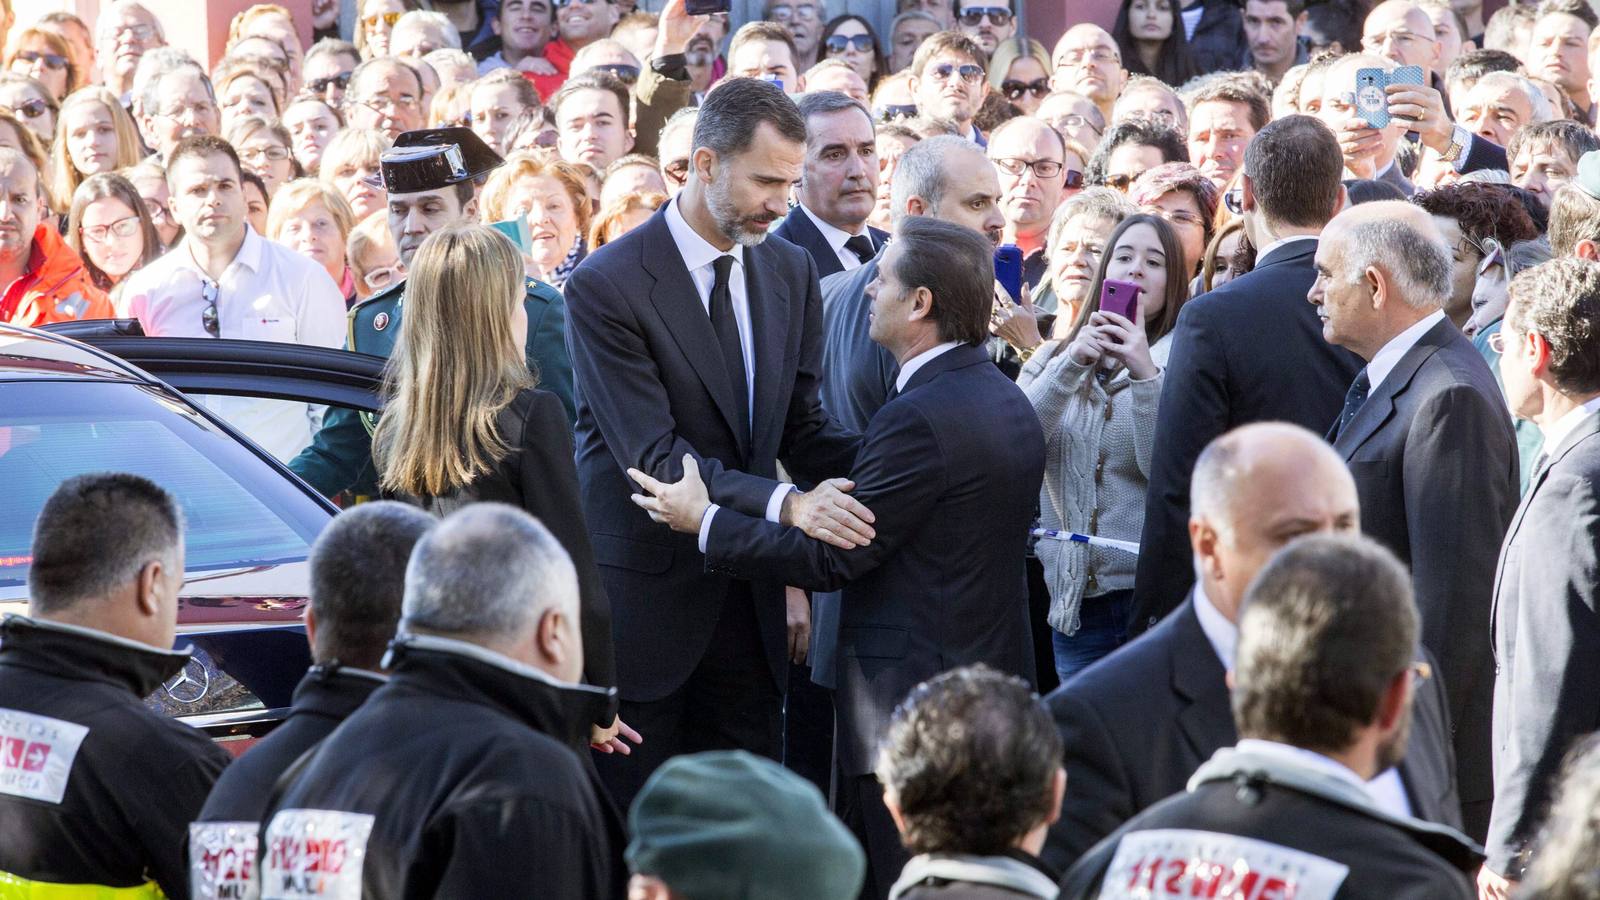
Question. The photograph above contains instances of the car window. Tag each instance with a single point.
(239, 512)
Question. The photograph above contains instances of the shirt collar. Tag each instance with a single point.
(1384, 361)
(1267, 250)
(697, 252)
(1221, 633)
(910, 367)
(248, 255)
(834, 236)
(1306, 758)
(1557, 431)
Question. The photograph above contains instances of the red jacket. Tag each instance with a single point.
(56, 287)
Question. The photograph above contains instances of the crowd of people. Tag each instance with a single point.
(776, 411)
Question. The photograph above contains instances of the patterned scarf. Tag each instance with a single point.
(574, 256)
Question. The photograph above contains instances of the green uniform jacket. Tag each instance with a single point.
(340, 456)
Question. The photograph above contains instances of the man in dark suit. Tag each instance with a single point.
(693, 335)
(840, 185)
(1546, 630)
(951, 468)
(1138, 724)
(1427, 436)
(1249, 351)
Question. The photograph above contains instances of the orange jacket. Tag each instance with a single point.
(56, 288)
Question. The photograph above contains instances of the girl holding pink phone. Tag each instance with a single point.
(1096, 393)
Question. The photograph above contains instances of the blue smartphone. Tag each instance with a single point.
(1411, 75)
(1008, 270)
(1371, 101)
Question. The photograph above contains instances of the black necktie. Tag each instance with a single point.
(727, 329)
(861, 246)
(1353, 399)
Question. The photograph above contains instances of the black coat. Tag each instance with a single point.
(461, 777)
(1137, 724)
(1546, 639)
(1249, 351)
(95, 787)
(1435, 465)
(1297, 829)
(951, 467)
(1218, 44)
(651, 387)
(537, 476)
(798, 229)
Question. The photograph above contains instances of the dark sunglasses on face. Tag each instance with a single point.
(838, 43)
(1073, 180)
(388, 18)
(891, 111)
(969, 72)
(973, 16)
(1014, 90)
(321, 85)
(625, 73)
(51, 60)
(1120, 182)
(29, 109)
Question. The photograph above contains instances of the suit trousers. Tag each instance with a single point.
(729, 702)
(858, 802)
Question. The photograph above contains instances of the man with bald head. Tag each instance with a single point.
(1427, 435)
(1086, 61)
(1138, 723)
(1400, 31)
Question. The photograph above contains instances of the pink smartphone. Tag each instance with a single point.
(1120, 297)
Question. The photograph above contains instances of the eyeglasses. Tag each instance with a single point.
(891, 111)
(1014, 90)
(378, 279)
(676, 171)
(1233, 199)
(388, 19)
(1493, 255)
(973, 16)
(1092, 54)
(1044, 168)
(838, 43)
(1073, 120)
(1120, 182)
(969, 72)
(139, 33)
(381, 104)
(198, 110)
(1177, 217)
(273, 153)
(321, 85)
(51, 60)
(626, 74)
(122, 228)
(208, 315)
(1399, 37)
(785, 13)
(30, 109)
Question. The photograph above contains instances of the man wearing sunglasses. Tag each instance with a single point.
(985, 21)
(224, 280)
(1029, 158)
(42, 280)
(327, 69)
(947, 80)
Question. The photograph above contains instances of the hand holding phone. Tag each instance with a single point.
(1008, 270)
(707, 7)
(1371, 98)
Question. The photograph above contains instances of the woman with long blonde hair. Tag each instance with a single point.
(94, 135)
(464, 420)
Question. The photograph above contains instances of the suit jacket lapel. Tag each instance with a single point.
(768, 295)
(678, 300)
(1380, 406)
(1199, 678)
(809, 238)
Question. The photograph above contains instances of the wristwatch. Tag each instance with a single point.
(1458, 142)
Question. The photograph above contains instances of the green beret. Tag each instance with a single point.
(729, 824)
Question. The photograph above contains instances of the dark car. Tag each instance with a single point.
(112, 399)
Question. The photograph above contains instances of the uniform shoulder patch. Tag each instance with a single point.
(1180, 862)
(36, 754)
(380, 321)
(315, 853)
(222, 860)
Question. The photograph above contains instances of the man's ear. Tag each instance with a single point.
(552, 638)
(703, 162)
(1395, 701)
(921, 304)
(148, 586)
(494, 25)
(1381, 287)
(1249, 201)
(311, 627)
(916, 206)
(1203, 541)
(1541, 354)
(1587, 249)
(469, 210)
(891, 800)
(1058, 789)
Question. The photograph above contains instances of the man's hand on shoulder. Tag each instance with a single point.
(829, 514)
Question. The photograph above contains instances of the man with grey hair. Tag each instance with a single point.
(838, 187)
(1323, 689)
(177, 101)
(96, 789)
(420, 32)
(673, 146)
(358, 568)
(483, 699)
(1499, 104)
(124, 32)
(1426, 433)
(945, 177)
(1137, 725)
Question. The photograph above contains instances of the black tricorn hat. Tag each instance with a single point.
(431, 158)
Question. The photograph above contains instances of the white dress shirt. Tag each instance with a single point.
(1387, 790)
(1384, 361)
(267, 293)
(1267, 250)
(698, 257)
(836, 238)
(910, 367)
(1557, 431)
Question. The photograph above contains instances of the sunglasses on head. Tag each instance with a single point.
(973, 16)
(838, 43)
(321, 85)
(28, 109)
(51, 60)
(625, 73)
(1014, 90)
(969, 72)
